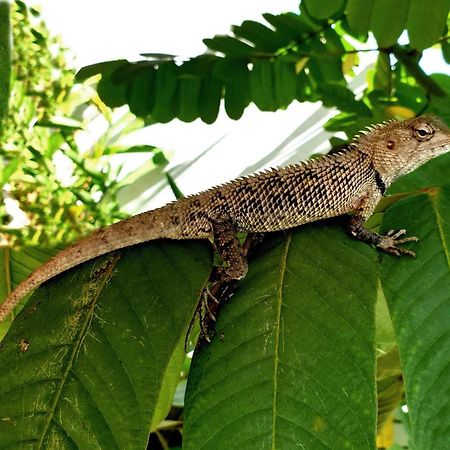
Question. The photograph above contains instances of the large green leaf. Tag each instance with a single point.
(426, 22)
(418, 295)
(386, 24)
(83, 364)
(292, 364)
(262, 88)
(262, 36)
(324, 8)
(358, 14)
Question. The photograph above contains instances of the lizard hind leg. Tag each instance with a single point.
(229, 248)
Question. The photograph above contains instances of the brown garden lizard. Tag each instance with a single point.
(351, 181)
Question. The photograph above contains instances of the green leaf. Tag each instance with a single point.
(417, 293)
(333, 94)
(5, 59)
(291, 26)
(83, 364)
(211, 95)
(426, 22)
(188, 98)
(165, 92)
(285, 82)
(388, 20)
(323, 9)
(230, 46)
(103, 67)
(141, 94)
(237, 92)
(263, 37)
(382, 79)
(113, 149)
(327, 70)
(262, 88)
(292, 364)
(358, 15)
(15, 266)
(112, 94)
(446, 50)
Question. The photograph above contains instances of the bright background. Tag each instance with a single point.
(202, 155)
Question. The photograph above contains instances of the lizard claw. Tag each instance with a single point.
(389, 243)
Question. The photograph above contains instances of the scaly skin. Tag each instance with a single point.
(352, 181)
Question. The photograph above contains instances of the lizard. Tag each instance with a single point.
(348, 182)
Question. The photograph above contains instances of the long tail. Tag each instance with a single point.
(155, 224)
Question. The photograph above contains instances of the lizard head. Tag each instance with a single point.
(397, 148)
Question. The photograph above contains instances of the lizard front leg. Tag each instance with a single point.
(388, 243)
(229, 248)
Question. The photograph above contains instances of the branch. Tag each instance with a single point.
(411, 62)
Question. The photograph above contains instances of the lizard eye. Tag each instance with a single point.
(424, 132)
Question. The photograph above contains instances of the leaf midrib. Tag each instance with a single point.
(281, 275)
(110, 264)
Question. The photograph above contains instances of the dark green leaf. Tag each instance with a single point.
(165, 91)
(200, 66)
(285, 82)
(292, 364)
(333, 94)
(188, 98)
(290, 25)
(388, 20)
(382, 79)
(84, 363)
(229, 46)
(426, 22)
(112, 94)
(304, 89)
(417, 292)
(15, 266)
(439, 105)
(446, 50)
(263, 37)
(358, 15)
(103, 67)
(323, 9)
(237, 90)
(262, 89)
(173, 185)
(211, 95)
(326, 71)
(141, 94)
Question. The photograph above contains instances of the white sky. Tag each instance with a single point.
(100, 30)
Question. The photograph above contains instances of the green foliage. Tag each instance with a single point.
(305, 354)
(5, 60)
(295, 362)
(101, 349)
(46, 118)
(417, 295)
(289, 57)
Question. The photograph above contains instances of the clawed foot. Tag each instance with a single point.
(389, 243)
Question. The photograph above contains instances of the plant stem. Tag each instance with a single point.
(411, 62)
